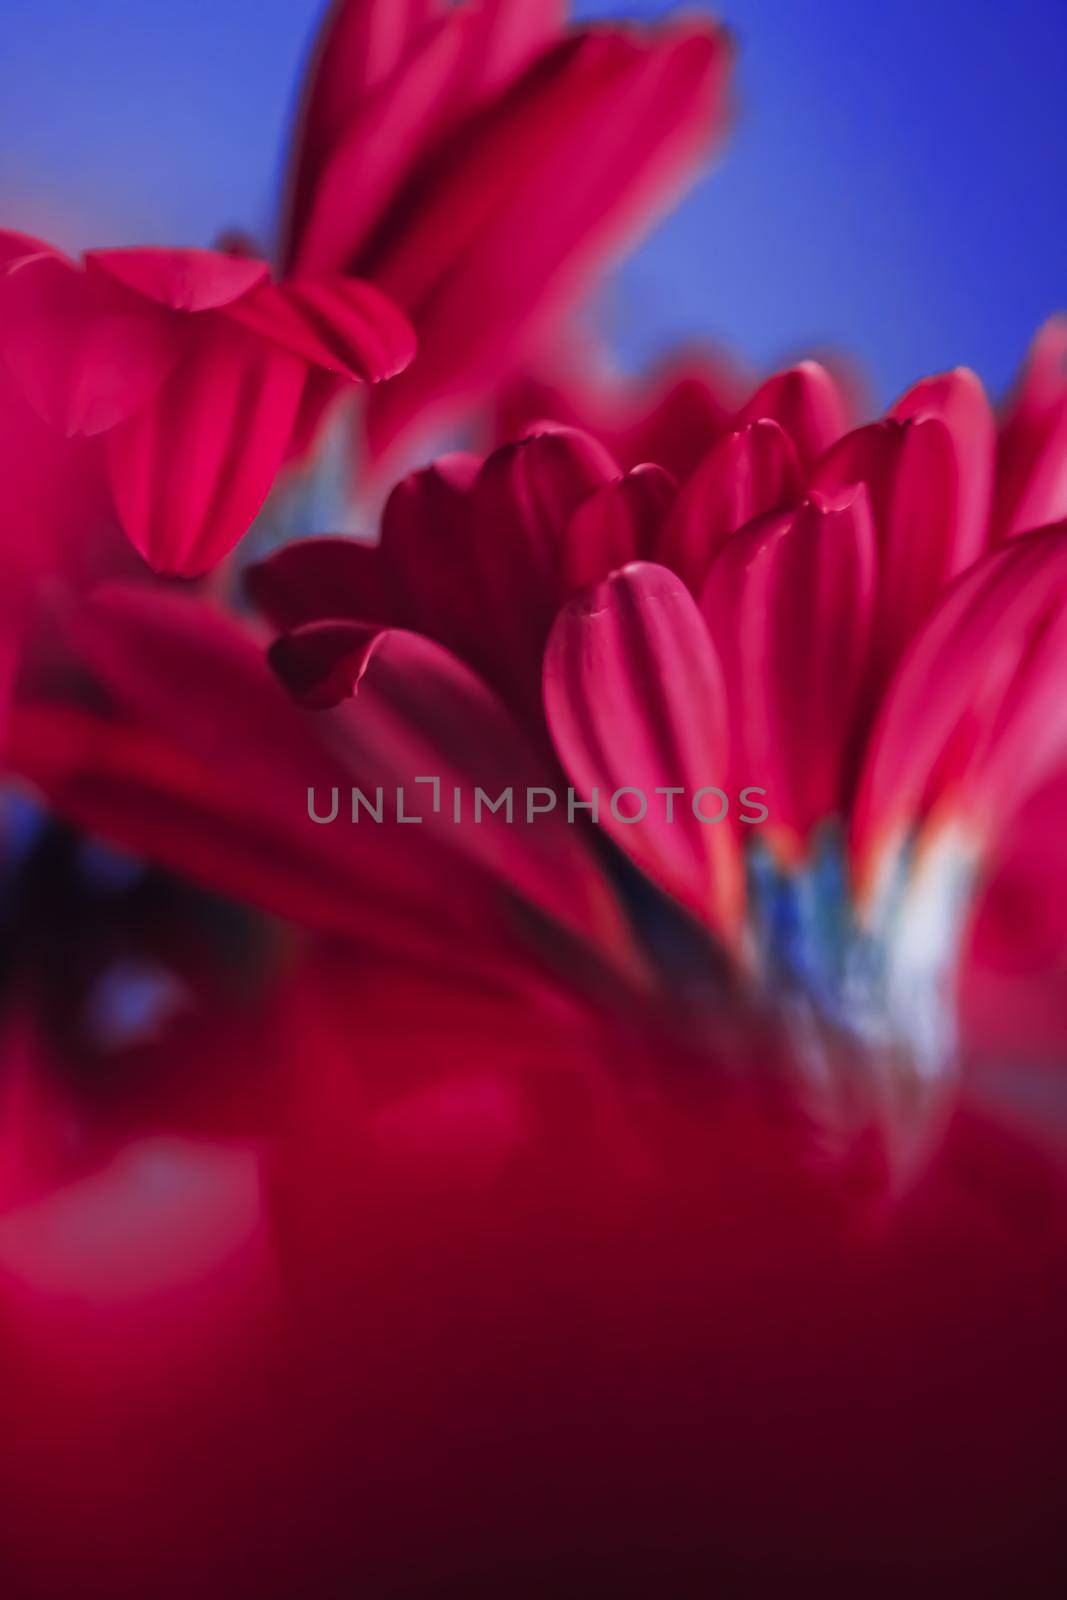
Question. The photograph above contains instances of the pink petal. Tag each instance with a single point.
(342, 193)
(928, 479)
(360, 46)
(421, 74)
(190, 472)
(958, 399)
(616, 524)
(1032, 456)
(748, 472)
(339, 324)
(86, 354)
(471, 557)
(435, 717)
(808, 402)
(411, 579)
(974, 721)
(789, 604)
(634, 699)
(183, 280)
(509, 34)
(314, 579)
(512, 548)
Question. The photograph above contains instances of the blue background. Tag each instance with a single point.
(895, 184)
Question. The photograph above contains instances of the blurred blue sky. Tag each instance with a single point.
(894, 185)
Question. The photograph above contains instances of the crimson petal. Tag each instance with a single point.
(749, 471)
(928, 473)
(958, 399)
(635, 700)
(520, 506)
(314, 579)
(974, 722)
(808, 402)
(789, 602)
(420, 711)
(471, 556)
(341, 192)
(190, 472)
(1032, 455)
(393, 79)
(339, 324)
(616, 524)
(362, 44)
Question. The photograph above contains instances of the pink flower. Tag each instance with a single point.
(481, 163)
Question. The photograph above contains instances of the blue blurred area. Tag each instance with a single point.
(894, 184)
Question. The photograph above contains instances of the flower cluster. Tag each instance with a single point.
(641, 1175)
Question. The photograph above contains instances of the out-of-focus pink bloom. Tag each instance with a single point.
(481, 162)
(181, 372)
